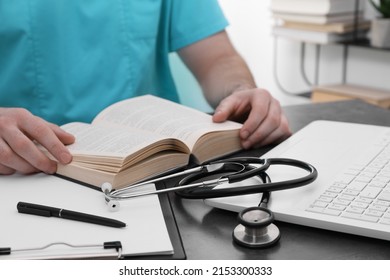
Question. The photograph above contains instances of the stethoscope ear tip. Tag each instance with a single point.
(106, 187)
(256, 229)
(113, 206)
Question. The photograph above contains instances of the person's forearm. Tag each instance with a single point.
(227, 74)
(217, 66)
(230, 88)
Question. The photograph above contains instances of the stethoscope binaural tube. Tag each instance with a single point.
(212, 192)
(196, 185)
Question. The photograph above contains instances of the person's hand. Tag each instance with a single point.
(263, 120)
(18, 152)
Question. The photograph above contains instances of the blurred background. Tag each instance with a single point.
(250, 30)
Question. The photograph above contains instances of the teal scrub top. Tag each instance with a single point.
(66, 60)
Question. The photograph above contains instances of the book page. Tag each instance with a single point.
(105, 141)
(163, 117)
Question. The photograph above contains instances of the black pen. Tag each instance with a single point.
(47, 211)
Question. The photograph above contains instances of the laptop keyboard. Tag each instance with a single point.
(362, 191)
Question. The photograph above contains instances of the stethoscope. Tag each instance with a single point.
(256, 228)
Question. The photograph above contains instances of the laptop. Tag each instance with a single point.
(352, 191)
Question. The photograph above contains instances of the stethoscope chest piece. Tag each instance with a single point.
(256, 229)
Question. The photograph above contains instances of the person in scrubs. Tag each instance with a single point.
(66, 60)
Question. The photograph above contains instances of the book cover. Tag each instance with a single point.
(316, 37)
(318, 19)
(315, 7)
(337, 27)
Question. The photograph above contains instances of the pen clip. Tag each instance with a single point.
(23, 208)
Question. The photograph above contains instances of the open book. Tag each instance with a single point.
(142, 137)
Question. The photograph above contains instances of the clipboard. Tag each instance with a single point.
(172, 227)
(53, 238)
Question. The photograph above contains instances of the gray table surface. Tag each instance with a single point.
(206, 232)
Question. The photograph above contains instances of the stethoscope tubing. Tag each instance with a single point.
(209, 192)
(255, 229)
(211, 168)
(238, 168)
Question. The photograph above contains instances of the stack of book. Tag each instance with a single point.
(319, 21)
